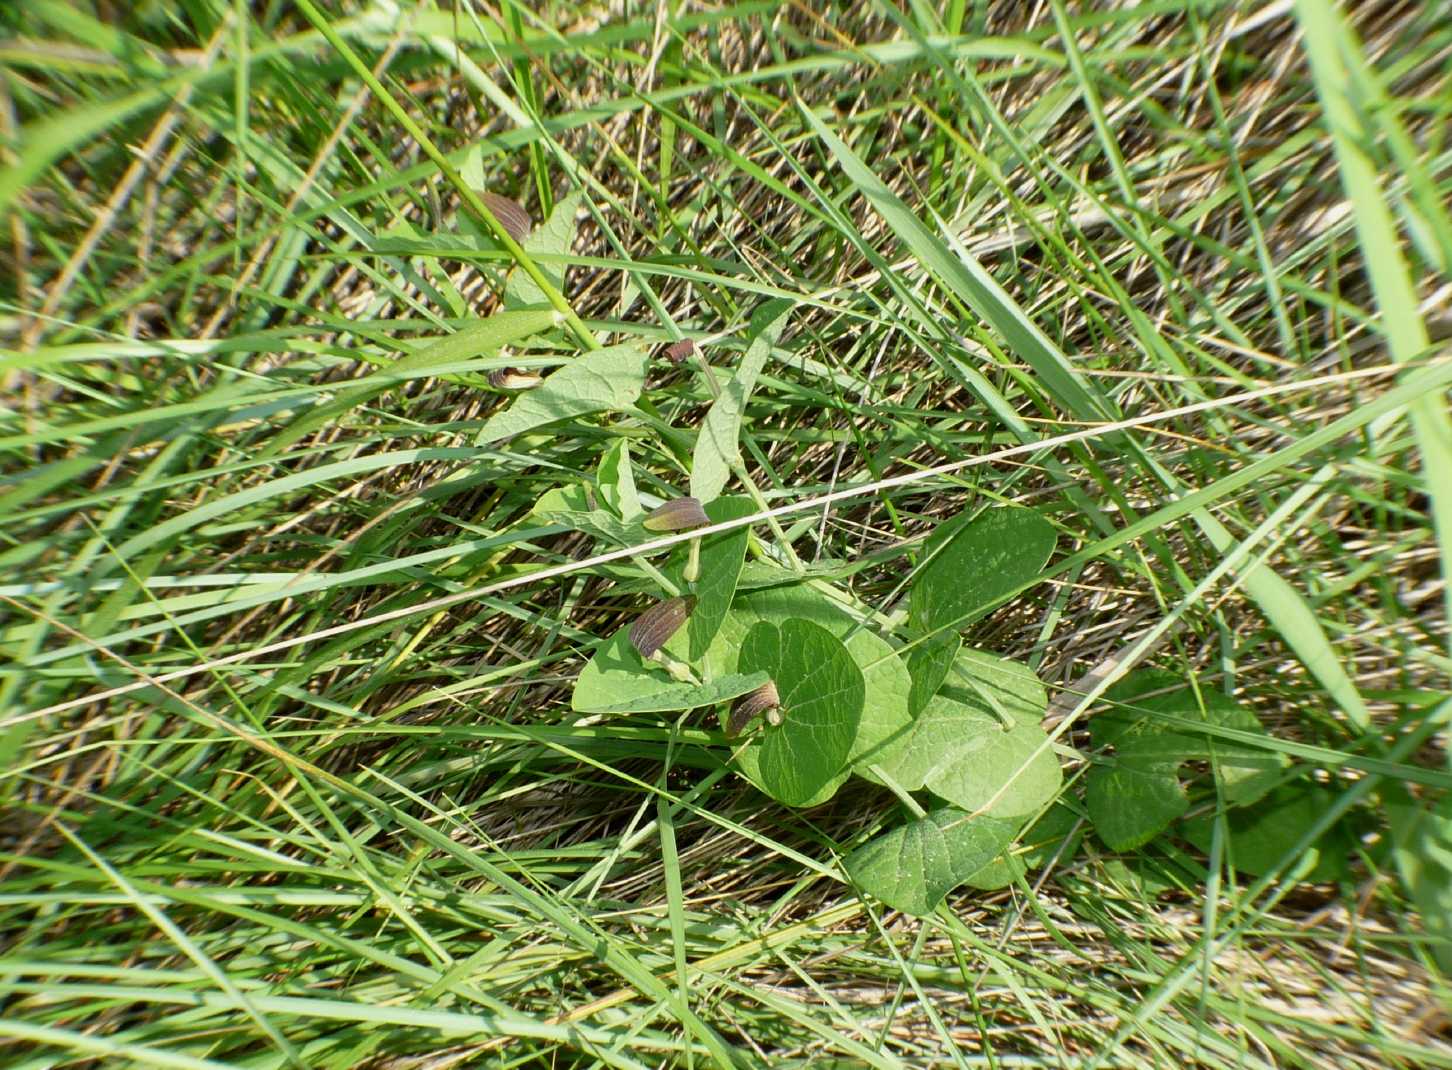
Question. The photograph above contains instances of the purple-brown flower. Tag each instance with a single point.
(511, 214)
(679, 514)
(763, 700)
(513, 379)
(653, 628)
(679, 351)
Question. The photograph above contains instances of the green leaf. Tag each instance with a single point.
(915, 865)
(617, 680)
(967, 566)
(885, 677)
(722, 556)
(821, 691)
(964, 752)
(1009, 688)
(1147, 875)
(1424, 856)
(1358, 112)
(1055, 836)
(1261, 835)
(928, 664)
(761, 574)
(601, 379)
(548, 244)
(1130, 805)
(1138, 793)
(570, 507)
(615, 481)
(717, 447)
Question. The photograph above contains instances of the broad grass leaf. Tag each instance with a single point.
(482, 338)
(722, 556)
(1282, 604)
(617, 680)
(1137, 793)
(547, 246)
(961, 272)
(885, 677)
(599, 380)
(717, 446)
(913, 867)
(970, 565)
(821, 691)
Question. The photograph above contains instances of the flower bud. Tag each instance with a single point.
(680, 514)
(764, 700)
(511, 215)
(653, 628)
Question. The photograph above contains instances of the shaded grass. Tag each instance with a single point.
(393, 844)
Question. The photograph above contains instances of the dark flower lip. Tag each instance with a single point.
(513, 379)
(511, 214)
(653, 628)
(752, 705)
(679, 514)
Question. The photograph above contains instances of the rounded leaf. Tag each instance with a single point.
(912, 867)
(821, 691)
(967, 567)
(885, 708)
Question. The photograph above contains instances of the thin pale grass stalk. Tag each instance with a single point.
(111, 210)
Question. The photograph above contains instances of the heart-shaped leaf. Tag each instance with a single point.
(1055, 836)
(915, 865)
(821, 691)
(1137, 793)
(1260, 835)
(970, 756)
(969, 565)
(1008, 688)
(616, 680)
(596, 381)
(885, 677)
